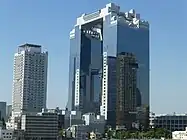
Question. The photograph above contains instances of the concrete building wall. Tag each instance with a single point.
(29, 79)
(171, 122)
(43, 126)
(6, 134)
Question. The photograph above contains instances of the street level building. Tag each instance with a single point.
(72, 118)
(179, 135)
(171, 122)
(43, 126)
(78, 132)
(94, 122)
(6, 134)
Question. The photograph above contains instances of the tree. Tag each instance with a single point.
(160, 132)
(151, 133)
(110, 133)
(62, 133)
(121, 134)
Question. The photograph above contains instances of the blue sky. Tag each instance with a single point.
(48, 22)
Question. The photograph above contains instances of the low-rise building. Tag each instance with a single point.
(19, 135)
(6, 134)
(43, 126)
(95, 123)
(79, 132)
(95, 135)
(61, 117)
(72, 118)
(179, 135)
(174, 122)
(92, 123)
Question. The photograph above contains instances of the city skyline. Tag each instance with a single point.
(53, 51)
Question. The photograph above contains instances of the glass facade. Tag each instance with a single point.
(126, 90)
(95, 42)
(73, 58)
(108, 101)
(136, 41)
(85, 70)
(111, 111)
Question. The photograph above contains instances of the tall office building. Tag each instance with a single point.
(95, 41)
(8, 111)
(126, 90)
(29, 79)
(2, 110)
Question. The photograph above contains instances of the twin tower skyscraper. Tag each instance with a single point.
(96, 41)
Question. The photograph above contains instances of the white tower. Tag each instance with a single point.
(29, 80)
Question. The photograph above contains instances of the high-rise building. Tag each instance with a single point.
(95, 41)
(2, 110)
(126, 90)
(29, 79)
(8, 111)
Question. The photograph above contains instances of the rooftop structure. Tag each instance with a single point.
(131, 18)
(27, 45)
(30, 48)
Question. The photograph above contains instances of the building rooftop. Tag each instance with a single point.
(30, 45)
(33, 48)
(131, 17)
(160, 115)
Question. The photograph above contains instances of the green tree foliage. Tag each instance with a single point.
(151, 133)
(62, 133)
